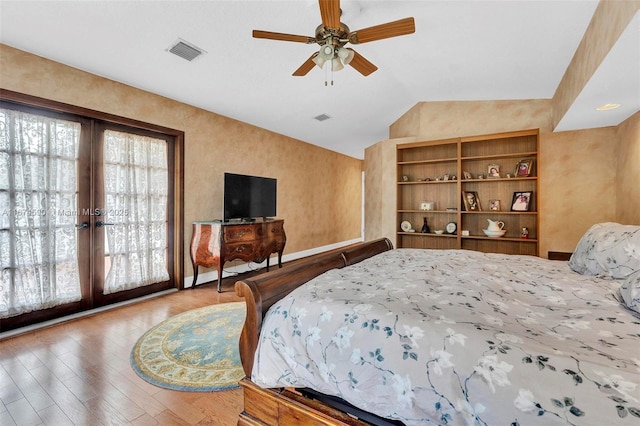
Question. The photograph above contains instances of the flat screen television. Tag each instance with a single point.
(249, 197)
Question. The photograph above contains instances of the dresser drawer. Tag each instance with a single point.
(274, 229)
(248, 251)
(241, 233)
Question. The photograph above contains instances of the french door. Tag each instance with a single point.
(87, 213)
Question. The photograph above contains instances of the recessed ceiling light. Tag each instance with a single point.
(607, 107)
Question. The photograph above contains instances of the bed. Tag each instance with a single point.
(419, 336)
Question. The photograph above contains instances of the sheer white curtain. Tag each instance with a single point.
(136, 189)
(38, 202)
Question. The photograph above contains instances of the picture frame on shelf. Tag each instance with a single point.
(494, 205)
(466, 175)
(521, 201)
(427, 205)
(493, 171)
(523, 168)
(471, 201)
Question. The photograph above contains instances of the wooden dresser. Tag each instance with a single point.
(214, 243)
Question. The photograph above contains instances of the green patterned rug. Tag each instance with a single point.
(195, 351)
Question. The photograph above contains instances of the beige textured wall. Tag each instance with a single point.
(609, 20)
(628, 171)
(577, 183)
(577, 170)
(311, 180)
(380, 199)
(449, 119)
(408, 125)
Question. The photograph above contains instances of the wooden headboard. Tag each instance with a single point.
(262, 291)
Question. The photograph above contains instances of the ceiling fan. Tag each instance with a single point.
(332, 35)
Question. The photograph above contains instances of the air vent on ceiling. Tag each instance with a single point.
(186, 50)
(322, 117)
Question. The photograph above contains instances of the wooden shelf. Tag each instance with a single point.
(483, 237)
(437, 160)
(473, 155)
(428, 182)
(501, 212)
(429, 211)
(494, 180)
(430, 234)
(519, 155)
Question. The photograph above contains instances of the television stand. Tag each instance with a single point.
(214, 243)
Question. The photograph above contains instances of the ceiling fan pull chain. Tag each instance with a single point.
(332, 72)
(326, 76)
(332, 62)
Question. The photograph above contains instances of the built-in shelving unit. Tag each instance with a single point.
(441, 171)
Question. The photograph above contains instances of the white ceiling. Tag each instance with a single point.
(461, 50)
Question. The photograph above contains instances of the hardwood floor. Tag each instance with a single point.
(78, 372)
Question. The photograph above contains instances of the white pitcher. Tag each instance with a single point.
(495, 225)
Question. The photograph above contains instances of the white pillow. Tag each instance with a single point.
(608, 249)
(630, 291)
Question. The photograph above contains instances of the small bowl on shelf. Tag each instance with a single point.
(494, 234)
(439, 231)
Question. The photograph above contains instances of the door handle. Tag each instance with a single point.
(100, 224)
(83, 225)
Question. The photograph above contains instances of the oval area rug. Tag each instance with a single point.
(194, 351)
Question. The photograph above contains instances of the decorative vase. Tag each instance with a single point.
(425, 227)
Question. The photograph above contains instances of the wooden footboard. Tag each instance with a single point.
(262, 291)
(288, 407)
(279, 406)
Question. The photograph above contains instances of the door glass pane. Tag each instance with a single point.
(136, 194)
(38, 211)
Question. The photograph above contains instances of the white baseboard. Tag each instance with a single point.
(246, 267)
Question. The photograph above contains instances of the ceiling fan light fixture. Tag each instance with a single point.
(336, 64)
(319, 61)
(345, 55)
(326, 52)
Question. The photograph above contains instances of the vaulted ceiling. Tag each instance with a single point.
(461, 50)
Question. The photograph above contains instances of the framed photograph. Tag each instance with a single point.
(466, 175)
(523, 168)
(471, 201)
(494, 205)
(521, 201)
(493, 171)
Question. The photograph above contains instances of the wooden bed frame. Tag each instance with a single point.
(285, 406)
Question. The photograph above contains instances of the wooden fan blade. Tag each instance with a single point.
(306, 67)
(330, 12)
(283, 37)
(378, 32)
(362, 65)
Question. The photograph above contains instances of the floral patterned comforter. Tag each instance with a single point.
(459, 337)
